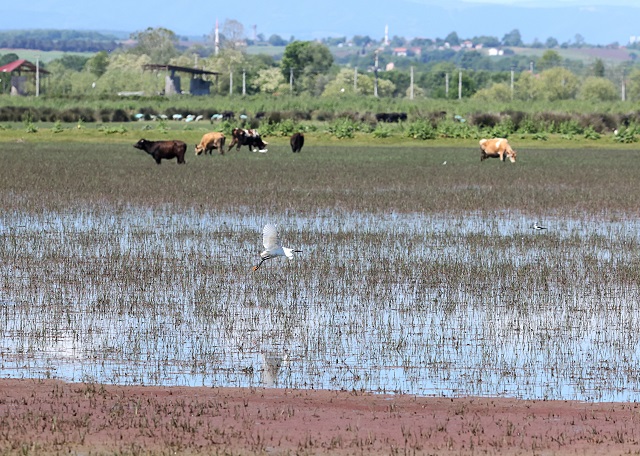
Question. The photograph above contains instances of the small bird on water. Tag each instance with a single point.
(537, 227)
(272, 246)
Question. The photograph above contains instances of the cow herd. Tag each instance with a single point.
(170, 149)
(494, 147)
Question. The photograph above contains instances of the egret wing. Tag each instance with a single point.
(270, 237)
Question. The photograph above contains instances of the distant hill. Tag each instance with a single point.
(58, 40)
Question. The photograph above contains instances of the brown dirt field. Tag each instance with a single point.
(53, 417)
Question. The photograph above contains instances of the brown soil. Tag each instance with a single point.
(45, 417)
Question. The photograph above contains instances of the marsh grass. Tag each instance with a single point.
(415, 276)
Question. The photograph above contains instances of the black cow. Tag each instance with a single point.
(391, 117)
(249, 138)
(163, 149)
(297, 141)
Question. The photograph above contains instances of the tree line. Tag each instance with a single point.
(310, 68)
(58, 40)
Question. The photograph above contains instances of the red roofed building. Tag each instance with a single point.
(14, 72)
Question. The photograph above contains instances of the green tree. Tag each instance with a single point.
(98, 64)
(512, 38)
(277, 40)
(549, 59)
(633, 85)
(158, 43)
(551, 43)
(269, 80)
(453, 39)
(598, 68)
(306, 60)
(497, 92)
(73, 62)
(525, 87)
(360, 40)
(8, 58)
(598, 89)
(557, 84)
(343, 85)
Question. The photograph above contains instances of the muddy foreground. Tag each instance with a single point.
(45, 417)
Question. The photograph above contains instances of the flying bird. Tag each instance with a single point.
(272, 246)
(537, 227)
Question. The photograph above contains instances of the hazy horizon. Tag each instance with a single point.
(598, 23)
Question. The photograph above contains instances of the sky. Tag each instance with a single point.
(597, 21)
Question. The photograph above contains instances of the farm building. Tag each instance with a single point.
(197, 86)
(16, 74)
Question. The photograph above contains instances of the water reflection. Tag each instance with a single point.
(471, 305)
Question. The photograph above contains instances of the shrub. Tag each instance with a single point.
(382, 131)
(421, 129)
(590, 133)
(343, 128)
(484, 120)
(626, 136)
(57, 127)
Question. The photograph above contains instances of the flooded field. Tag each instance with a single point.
(427, 304)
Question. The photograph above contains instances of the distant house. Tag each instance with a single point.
(495, 52)
(400, 51)
(17, 72)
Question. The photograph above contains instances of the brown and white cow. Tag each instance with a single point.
(210, 141)
(249, 138)
(496, 148)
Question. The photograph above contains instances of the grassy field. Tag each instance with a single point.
(360, 174)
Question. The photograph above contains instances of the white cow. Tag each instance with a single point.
(496, 148)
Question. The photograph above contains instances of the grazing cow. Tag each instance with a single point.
(391, 117)
(210, 141)
(249, 138)
(297, 141)
(496, 148)
(163, 149)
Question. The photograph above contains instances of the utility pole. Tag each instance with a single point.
(291, 80)
(375, 73)
(230, 82)
(446, 85)
(216, 39)
(244, 82)
(512, 70)
(411, 86)
(37, 76)
(355, 80)
(460, 85)
(623, 89)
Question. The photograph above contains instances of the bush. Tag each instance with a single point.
(626, 135)
(421, 129)
(343, 128)
(382, 131)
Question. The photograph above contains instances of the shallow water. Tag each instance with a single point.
(448, 305)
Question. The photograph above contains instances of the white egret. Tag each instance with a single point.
(272, 246)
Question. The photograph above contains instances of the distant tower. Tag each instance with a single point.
(216, 39)
(386, 35)
(255, 33)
